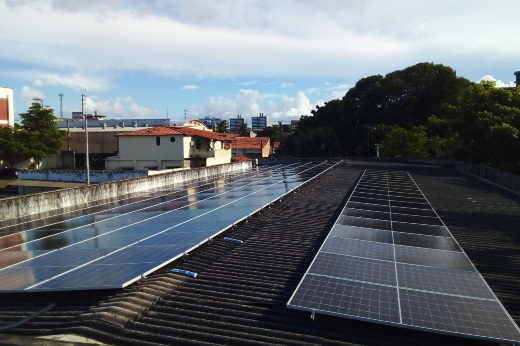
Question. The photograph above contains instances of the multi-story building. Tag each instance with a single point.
(259, 123)
(6, 107)
(235, 123)
(210, 122)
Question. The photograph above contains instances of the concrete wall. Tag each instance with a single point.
(47, 201)
(111, 122)
(63, 160)
(78, 176)
(507, 180)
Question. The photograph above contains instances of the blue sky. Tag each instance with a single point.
(136, 58)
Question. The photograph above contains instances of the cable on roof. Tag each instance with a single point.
(234, 240)
(27, 319)
(184, 272)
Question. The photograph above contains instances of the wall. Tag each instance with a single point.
(78, 176)
(111, 122)
(507, 180)
(146, 148)
(63, 160)
(47, 201)
(98, 142)
(6, 107)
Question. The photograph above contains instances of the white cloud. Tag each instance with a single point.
(286, 85)
(252, 82)
(499, 83)
(118, 107)
(27, 94)
(250, 103)
(190, 87)
(75, 81)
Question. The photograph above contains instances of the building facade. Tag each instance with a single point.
(210, 122)
(235, 123)
(259, 123)
(167, 147)
(6, 107)
(252, 147)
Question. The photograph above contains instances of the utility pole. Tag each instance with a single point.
(280, 123)
(368, 141)
(86, 138)
(185, 114)
(61, 105)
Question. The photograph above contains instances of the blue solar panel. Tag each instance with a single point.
(112, 247)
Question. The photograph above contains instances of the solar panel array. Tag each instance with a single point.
(390, 259)
(107, 246)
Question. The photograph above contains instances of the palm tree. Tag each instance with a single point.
(243, 131)
(222, 126)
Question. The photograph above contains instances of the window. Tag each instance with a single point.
(197, 143)
(158, 140)
(172, 139)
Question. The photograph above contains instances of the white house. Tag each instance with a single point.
(166, 147)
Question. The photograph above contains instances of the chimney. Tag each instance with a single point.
(517, 74)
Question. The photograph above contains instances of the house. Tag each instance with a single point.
(252, 147)
(167, 147)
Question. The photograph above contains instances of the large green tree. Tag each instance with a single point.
(17, 145)
(405, 98)
(483, 126)
(37, 137)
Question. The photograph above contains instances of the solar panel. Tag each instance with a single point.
(114, 246)
(390, 259)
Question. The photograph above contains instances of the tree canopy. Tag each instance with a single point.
(36, 138)
(222, 127)
(422, 111)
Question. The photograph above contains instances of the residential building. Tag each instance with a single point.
(235, 123)
(6, 107)
(259, 123)
(252, 147)
(294, 125)
(210, 122)
(166, 147)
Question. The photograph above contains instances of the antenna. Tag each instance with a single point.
(61, 105)
(185, 114)
(167, 117)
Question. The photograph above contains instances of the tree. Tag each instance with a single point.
(271, 132)
(320, 141)
(17, 145)
(39, 120)
(405, 144)
(244, 130)
(222, 126)
(483, 125)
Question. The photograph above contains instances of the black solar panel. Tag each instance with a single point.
(400, 265)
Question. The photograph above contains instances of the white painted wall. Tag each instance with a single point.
(142, 152)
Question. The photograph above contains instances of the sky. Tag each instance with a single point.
(159, 58)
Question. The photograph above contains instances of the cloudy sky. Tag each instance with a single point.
(140, 58)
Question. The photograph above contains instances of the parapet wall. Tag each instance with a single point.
(58, 199)
(503, 179)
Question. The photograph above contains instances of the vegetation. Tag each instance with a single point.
(222, 127)
(244, 131)
(422, 111)
(35, 139)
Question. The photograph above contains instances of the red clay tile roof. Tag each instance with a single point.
(276, 145)
(249, 142)
(240, 159)
(176, 130)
